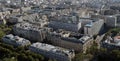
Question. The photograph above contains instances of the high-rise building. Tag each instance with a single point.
(94, 27)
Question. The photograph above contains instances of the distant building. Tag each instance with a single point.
(26, 17)
(111, 21)
(69, 24)
(118, 20)
(85, 13)
(30, 18)
(24, 9)
(78, 42)
(15, 19)
(35, 19)
(16, 10)
(112, 43)
(109, 12)
(60, 54)
(30, 31)
(97, 16)
(3, 13)
(15, 40)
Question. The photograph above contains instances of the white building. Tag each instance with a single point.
(94, 27)
(60, 54)
(66, 23)
(30, 31)
(78, 42)
(15, 40)
(3, 13)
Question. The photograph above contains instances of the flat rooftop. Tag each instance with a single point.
(28, 26)
(66, 19)
(71, 37)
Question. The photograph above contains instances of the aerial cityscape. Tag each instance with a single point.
(59, 30)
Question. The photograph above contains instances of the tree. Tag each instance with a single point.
(22, 57)
(52, 59)
(10, 59)
(1, 34)
(93, 49)
(78, 57)
(30, 58)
